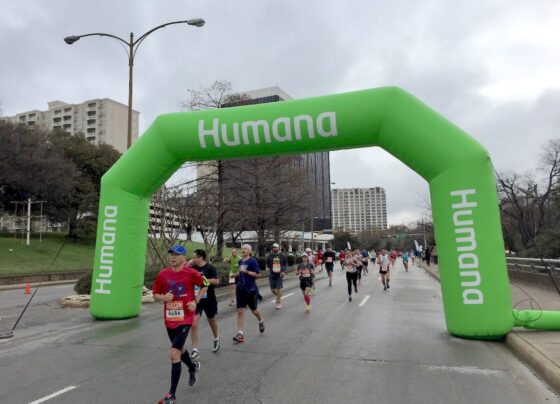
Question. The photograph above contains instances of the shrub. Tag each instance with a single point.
(291, 259)
(83, 285)
(262, 263)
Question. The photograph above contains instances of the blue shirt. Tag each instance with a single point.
(246, 281)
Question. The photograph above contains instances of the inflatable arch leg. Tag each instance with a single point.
(474, 279)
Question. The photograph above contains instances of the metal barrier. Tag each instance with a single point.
(550, 267)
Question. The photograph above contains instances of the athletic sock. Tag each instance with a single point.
(186, 358)
(175, 376)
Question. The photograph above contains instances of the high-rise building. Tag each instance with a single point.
(100, 120)
(358, 209)
(317, 165)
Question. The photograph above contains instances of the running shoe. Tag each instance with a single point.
(261, 326)
(278, 306)
(388, 285)
(239, 338)
(349, 298)
(330, 283)
(195, 355)
(167, 399)
(192, 375)
(216, 346)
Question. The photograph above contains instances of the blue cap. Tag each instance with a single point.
(178, 249)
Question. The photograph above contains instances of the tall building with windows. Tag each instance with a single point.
(100, 120)
(357, 209)
(317, 165)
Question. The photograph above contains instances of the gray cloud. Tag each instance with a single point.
(452, 55)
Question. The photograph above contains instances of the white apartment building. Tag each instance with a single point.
(100, 120)
(357, 209)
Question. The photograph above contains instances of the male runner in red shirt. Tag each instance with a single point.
(175, 287)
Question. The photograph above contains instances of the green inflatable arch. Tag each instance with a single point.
(474, 278)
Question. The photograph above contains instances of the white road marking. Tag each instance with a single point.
(53, 395)
(364, 300)
(283, 297)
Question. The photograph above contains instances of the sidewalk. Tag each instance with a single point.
(538, 349)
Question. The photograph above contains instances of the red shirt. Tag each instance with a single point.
(181, 284)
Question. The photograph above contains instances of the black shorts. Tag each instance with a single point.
(383, 272)
(178, 335)
(305, 283)
(245, 298)
(209, 307)
(365, 263)
(329, 266)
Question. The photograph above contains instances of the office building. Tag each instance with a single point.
(358, 209)
(100, 120)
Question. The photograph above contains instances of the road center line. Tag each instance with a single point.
(53, 395)
(364, 300)
(283, 297)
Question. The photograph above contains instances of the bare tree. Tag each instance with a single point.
(527, 203)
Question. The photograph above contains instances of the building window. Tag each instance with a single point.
(67, 117)
(91, 113)
(91, 105)
(91, 130)
(57, 112)
(22, 117)
(91, 121)
(56, 120)
(67, 109)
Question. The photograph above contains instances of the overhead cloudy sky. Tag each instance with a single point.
(490, 66)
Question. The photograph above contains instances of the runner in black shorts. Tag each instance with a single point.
(306, 274)
(206, 303)
(329, 257)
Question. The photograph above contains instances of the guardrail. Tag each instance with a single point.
(550, 267)
(543, 265)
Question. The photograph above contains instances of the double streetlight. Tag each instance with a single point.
(131, 51)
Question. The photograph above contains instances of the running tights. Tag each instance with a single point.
(351, 278)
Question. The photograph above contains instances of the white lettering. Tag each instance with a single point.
(108, 238)
(287, 133)
(255, 126)
(303, 118)
(468, 239)
(463, 194)
(102, 282)
(208, 132)
(331, 116)
(467, 260)
(479, 298)
(235, 141)
(464, 258)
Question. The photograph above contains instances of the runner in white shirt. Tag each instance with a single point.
(384, 262)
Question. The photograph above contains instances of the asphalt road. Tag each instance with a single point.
(390, 348)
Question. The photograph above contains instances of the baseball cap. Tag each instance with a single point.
(275, 245)
(178, 249)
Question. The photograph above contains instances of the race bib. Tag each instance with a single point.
(276, 268)
(174, 311)
(196, 290)
(329, 260)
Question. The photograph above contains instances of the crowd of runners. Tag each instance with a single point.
(187, 288)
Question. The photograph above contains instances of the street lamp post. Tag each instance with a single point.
(131, 51)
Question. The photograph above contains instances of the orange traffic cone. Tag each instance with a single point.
(27, 288)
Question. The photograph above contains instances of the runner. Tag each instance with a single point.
(405, 260)
(306, 274)
(342, 257)
(233, 261)
(174, 286)
(393, 257)
(384, 263)
(373, 256)
(206, 303)
(329, 257)
(413, 257)
(351, 266)
(365, 261)
(246, 291)
(277, 265)
(359, 266)
(320, 259)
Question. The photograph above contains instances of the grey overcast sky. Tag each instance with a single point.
(490, 66)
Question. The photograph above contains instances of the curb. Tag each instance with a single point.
(527, 353)
(36, 284)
